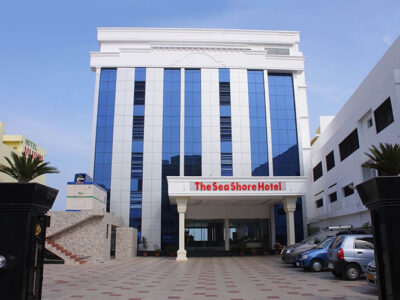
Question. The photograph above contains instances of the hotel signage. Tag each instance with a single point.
(238, 186)
(31, 149)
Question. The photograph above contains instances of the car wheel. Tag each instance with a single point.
(351, 272)
(316, 265)
(336, 274)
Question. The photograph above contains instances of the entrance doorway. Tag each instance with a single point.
(209, 235)
(113, 241)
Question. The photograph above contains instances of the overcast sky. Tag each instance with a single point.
(46, 85)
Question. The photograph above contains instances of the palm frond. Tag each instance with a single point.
(385, 158)
(26, 168)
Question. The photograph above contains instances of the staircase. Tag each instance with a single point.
(67, 256)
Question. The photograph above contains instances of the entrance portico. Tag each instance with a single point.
(233, 198)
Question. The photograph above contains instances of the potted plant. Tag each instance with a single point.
(381, 195)
(157, 250)
(171, 251)
(23, 206)
(242, 248)
(144, 246)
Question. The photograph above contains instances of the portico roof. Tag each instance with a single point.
(235, 189)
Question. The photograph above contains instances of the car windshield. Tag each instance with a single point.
(325, 243)
(310, 238)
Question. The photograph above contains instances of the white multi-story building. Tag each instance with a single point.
(201, 136)
(371, 116)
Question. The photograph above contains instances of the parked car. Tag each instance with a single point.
(349, 255)
(315, 259)
(370, 274)
(290, 253)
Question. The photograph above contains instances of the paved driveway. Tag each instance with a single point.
(199, 278)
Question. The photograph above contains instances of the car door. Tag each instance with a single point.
(364, 251)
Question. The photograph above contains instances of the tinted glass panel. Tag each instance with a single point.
(347, 191)
(364, 243)
(192, 122)
(383, 115)
(319, 203)
(285, 150)
(225, 122)
(135, 218)
(317, 171)
(170, 153)
(349, 145)
(333, 197)
(337, 242)
(330, 161)
(258, 127)
(104, 130)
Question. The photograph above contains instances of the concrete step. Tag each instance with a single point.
(69, 258)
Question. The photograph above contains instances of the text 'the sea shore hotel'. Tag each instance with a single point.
(201, 136)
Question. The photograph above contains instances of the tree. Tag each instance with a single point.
(26, 168)
(385, 159)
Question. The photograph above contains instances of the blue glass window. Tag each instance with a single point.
(104, 131)
(285, 150)
(135, 218)
(192, 122)
(225, 122)
(170, 154)
(258, 123)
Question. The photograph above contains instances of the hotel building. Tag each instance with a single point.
(371, 116)
(201, 136)
(18, 144)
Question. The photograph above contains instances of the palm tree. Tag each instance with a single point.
(26, 168)
(385, 159)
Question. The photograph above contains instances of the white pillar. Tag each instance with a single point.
(272, 225)
(181, 206)
(226, 234)
(289, 204)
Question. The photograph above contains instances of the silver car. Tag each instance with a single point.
(370, 274)
(349, 255)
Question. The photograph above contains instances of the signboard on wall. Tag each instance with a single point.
(237, 186)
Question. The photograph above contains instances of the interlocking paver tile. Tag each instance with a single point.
(248, 278)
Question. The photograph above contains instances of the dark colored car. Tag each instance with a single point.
(349, 255)
(290, 253)
(315, 259)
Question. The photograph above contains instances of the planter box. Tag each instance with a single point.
(381, 195)
(23, 231)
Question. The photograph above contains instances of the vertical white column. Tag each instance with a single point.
(268, 119)
(241, 148)
(289, 204)
(226, 234)
(303, 132)
(152, 160)
(181, 206)
(182, 133)
(94, 121)
(272, 225)
(210, 124)
(122, 144)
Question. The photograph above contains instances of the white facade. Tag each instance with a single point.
(207, 49)
(358, 113)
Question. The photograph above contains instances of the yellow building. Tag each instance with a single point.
(18, 144)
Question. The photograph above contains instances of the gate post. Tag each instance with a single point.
(23, 231)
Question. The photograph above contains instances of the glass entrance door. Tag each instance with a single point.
(210, 234)
(204, 234)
